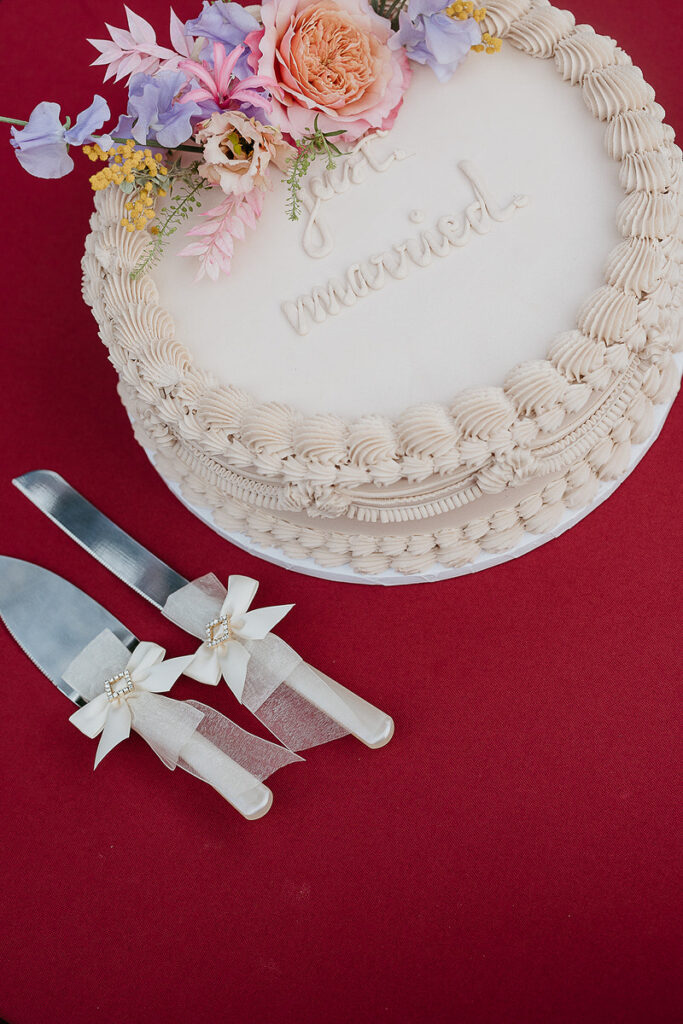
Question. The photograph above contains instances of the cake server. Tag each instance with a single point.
(117, 683)
(298, 703)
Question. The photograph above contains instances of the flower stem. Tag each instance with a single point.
(183, 202)
(155, 145)
(394, 10)
(13, 120)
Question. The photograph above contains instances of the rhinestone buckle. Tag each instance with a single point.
(218, 631)
(119, 686)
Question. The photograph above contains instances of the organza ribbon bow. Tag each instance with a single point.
(300, 705)
(224, 651)
(125, 692)
(110, 714)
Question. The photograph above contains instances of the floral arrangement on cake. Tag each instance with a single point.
(242, 94)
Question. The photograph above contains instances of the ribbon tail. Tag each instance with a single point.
(257, 624)
(302, 706)
(164, 724)
(234, 661)
(116, 729)
(201, 741)
(204, 666)
(233, 762)
(90, 719)
(162, 677)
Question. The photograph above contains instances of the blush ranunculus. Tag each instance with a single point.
(332, 61)
(238, 151)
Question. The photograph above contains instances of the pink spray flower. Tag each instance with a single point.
(218, 88)
(135, 50)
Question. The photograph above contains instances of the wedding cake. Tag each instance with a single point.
(464, 332)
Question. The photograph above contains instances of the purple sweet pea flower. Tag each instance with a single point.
(42, 146)
(226, 23)
(88, 122)
(431, 37)
(152, 113)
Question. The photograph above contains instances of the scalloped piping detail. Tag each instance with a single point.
(608, 315)
(651, 215)
(585, 51)
(614, 90)
(501, 14)
(538, 32)
(648, 171)
(453, 546)
(634, 131)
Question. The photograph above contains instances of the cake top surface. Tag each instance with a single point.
(507, 134)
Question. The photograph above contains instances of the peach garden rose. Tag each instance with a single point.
(332, 61)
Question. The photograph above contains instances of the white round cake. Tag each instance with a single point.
(465, 332)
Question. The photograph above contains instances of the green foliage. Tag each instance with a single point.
(184, 185)
(308, 149)
(389, 9)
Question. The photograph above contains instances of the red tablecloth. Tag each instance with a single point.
(509, 857)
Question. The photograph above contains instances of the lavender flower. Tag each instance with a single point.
(431, 37)
(152, 112)
(226, 23)
(42, 147)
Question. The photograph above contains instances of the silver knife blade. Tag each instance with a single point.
(51, 619)
(135, 565)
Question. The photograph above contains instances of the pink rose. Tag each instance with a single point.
(332, 61)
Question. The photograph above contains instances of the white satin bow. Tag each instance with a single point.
(230, 658)
(113, 718)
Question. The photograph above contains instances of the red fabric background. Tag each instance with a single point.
(509, 857)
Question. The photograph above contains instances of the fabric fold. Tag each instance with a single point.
(300, 705)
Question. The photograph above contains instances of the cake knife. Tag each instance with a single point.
(70, 637)
(156, 581)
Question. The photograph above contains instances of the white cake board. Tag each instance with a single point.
(390, 578)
